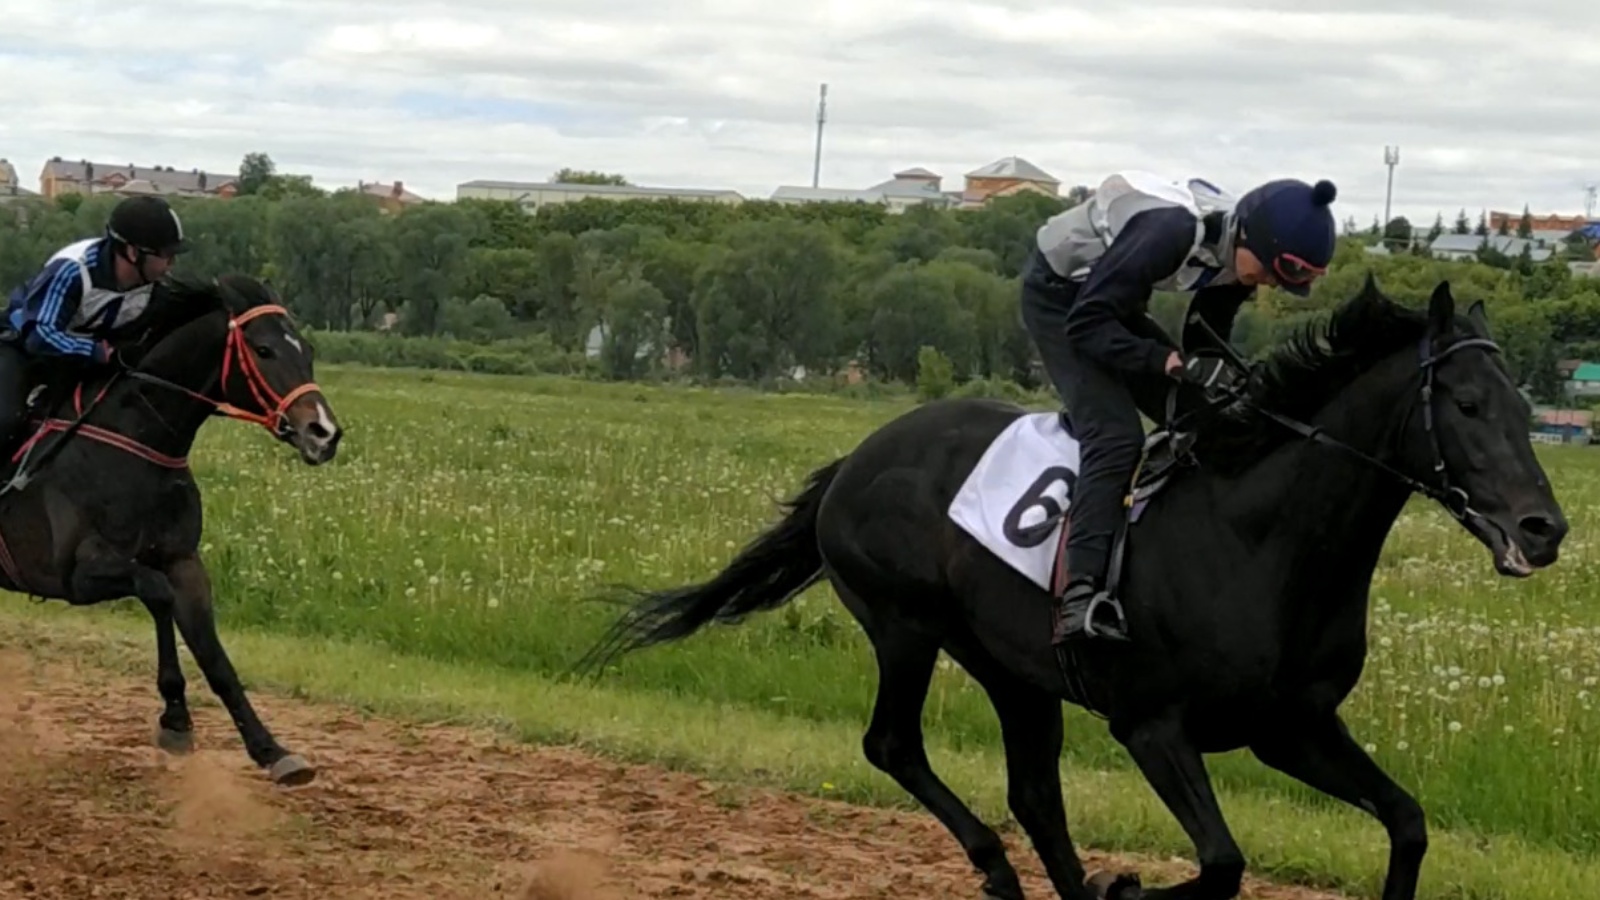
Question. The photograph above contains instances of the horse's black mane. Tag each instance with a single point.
(178, 301)
(1321, 357)
(233, 292)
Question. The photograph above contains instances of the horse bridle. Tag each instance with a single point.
(1453, 498)
(1447, 494)
(274, 416)
(275, 407)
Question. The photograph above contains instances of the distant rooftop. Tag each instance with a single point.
(596, 188)
(1014, 167)
(1469, 243)
(166, 177)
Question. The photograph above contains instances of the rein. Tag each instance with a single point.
(1452, 497)
(237, 357)
(274, 416)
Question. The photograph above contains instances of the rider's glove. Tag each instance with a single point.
(1208, 372)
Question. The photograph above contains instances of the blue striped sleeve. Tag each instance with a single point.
(62, 294)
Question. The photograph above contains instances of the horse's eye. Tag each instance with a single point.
(1468, 408)
(263, 351)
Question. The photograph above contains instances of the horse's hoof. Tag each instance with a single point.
(1002, 888)
(292, 771)
(178, 743)
(1107, 886)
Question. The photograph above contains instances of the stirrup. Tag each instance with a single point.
(21, 477)
(17, 482)
(1116, 605)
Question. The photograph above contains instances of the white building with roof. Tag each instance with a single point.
(909, 187)
(919, 187)
(533, 195)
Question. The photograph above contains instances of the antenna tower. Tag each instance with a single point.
(1391, 158)
(822, 117)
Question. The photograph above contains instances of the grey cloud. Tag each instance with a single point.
(1490, 109)
(1496, 10)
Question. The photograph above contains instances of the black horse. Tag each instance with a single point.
(106, 506)
(1245, 580)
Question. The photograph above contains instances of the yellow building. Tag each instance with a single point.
(83, 177)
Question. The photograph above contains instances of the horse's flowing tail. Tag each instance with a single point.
(769, 572)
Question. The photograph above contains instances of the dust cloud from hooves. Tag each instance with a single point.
(22, 744)
(209, 799)
(568, 875)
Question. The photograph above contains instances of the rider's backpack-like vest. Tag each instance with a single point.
(1073, 239)
(101, 309)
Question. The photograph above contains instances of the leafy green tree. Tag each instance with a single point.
(255, 170)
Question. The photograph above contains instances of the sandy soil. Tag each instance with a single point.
(89, 808)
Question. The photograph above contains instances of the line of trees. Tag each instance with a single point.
(1399, 234)
(756, 292)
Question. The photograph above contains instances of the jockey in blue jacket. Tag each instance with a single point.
(85, 291)
(1085, 291)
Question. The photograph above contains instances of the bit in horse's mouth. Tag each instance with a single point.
(1514, 562)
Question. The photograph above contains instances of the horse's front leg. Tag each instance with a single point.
(190, 593)
(1315, 747)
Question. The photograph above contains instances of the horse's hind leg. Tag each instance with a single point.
(177, 729)
(893, 743)
(1174, 767)
(191, 607)
(101, 574)
(1030, 725)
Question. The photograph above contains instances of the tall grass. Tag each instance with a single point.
(468, 515)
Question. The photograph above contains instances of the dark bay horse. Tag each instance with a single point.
(1245, 583)
(108, 508)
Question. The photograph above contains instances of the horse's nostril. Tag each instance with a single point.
(1537, 526)
(319, 431)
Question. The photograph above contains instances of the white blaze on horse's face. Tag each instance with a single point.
(320, 439)
(295, 343)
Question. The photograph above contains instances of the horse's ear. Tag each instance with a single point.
(1479, 315)
(1441, 309)
(1369, 288)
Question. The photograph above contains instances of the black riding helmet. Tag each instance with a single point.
(149, 225)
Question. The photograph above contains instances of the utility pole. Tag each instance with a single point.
(822, 117)
(1589, 192)
(1391, 158)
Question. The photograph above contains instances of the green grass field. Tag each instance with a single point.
(467, 515)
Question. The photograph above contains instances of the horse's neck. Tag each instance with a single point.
(159, 416)
(1332, 511)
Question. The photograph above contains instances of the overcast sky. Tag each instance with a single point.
(1490, 108)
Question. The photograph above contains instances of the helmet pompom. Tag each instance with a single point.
(1323, 193)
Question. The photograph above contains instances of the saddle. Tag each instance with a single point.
(1165, 453)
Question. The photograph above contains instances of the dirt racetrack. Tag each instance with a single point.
(89, 808)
